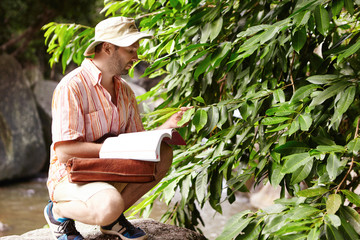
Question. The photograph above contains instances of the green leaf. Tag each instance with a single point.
(276, 175)
(303, 92)
(322, 19)
(200, 119)
(269, 34)
(348, 52)
(303, 212)
(285, 109)
(202, 67)
(329, 92)
(332, 233)
(352, 197)
(312, 192)
(224, 115)
(295, 126)
(330, 149)
(333, 166)
(252, 30)
(299, 39)
(333, 203)
(274, 224)
(293, 227)
(295, 236)
(354, 146)
(305, 121)
(169, 191)
(199, 99)
(213, 119)
(295, 161)
(279, 95)
(215, 190)
(65, 59)
(292, 147)
(348, 230)
(201, 185)
(278, 128)
(301, 173)
(251, 232)
(220, 54)
(205, 32)
(336, 6)
(322, 79)
(351, 217)
(313, 234)
(275, 208)
(346, 99)
(235, 225)
(302, 18)
(216, 27)
(349, 5)
(234, 129)
(274, 120)
(185, 187)
(174, 3)
(186, 117)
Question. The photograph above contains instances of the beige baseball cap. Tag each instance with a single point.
(120, 31)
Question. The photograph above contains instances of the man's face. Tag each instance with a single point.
(123, 58)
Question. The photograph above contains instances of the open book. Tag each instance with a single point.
(139, 145)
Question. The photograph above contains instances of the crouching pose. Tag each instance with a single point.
(88, 103)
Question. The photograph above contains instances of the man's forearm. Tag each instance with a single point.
(68, 149)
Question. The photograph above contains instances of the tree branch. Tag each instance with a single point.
(291, 71)
(352, 159)
(26, 36)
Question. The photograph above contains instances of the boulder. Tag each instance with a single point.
(32, 74)
(154, 229)
(43, 92)
(22, 148)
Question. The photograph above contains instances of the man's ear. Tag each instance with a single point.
(107, 48)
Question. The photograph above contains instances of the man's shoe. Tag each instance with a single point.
(61, 230)
(124, 229)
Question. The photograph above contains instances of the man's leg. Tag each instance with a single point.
(103, 208)
(134, 191)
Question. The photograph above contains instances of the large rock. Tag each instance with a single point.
(43, 92)
(22, 148)
(33, 74)
(154, 229)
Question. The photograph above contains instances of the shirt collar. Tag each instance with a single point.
(95, 73)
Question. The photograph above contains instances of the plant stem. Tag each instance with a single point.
(352, 159)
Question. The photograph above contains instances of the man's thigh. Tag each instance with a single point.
(66, 191)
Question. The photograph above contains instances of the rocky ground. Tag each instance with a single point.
(154, 229)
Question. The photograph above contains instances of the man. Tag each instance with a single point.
(88, 103)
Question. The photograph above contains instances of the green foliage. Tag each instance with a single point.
(66, 42)
(276, 96)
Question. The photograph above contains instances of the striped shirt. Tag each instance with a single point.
(82, 110)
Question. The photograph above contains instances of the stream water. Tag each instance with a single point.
(22, 204)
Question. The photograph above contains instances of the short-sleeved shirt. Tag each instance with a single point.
(82, 110)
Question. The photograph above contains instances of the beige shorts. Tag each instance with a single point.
(66, 191)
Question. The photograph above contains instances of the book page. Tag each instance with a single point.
(139, 145)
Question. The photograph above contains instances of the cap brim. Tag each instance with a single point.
(120, 42)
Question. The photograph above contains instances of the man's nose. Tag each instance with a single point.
(135, 57)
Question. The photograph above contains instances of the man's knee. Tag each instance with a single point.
(107, 206)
